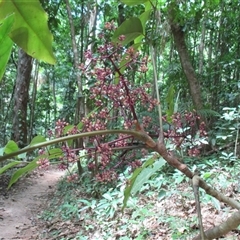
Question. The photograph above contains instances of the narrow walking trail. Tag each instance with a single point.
(18, 211)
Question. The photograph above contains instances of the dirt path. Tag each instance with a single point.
(18, 211)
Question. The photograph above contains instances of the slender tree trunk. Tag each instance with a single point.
(19, 128)
(54, 98)
(179, 40)
(80, 100)
(34, 94)
(80, 106)
(201, 48)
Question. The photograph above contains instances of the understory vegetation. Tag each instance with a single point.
(164, 207)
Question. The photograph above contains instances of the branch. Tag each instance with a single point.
(219, 196)
(142, 136)
(231, 223)
(195, 184)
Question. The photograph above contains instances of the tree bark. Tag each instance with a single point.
(33, 100)
(179, 40)
(20, 126)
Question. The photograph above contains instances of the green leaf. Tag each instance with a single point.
(134, 2)
(30, 29)
(107, 196)
(162, 194)
(170, 103)
(130, 28)
(1, 151)
(207, 175)
(80, 126)
(144, 17)
(55, 153)
(176, 102)
(37, 139)
(145, 174)
(11, 147)
(9, 165)
(5, 42)
(19, 173)
(67, 128)
(128, 189)
(22, 155)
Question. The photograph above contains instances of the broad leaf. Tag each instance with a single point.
(19, 173)
(128, 189)
(67, 128)
(134, 2)
(9, 165)
(55, 153)
(37, 139)
(30, 29)
(5, 42)
(145, 174)
(130, 28)
(144, 17)
(11, 147)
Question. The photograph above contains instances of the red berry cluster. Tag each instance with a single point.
(59, 127)
(72, 178)
(135, 164)
(117, 99)
(43, 163)
(106, 176)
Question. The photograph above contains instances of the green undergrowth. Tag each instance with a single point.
(163, 209)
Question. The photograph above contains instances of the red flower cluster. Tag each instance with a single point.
(118, 99)
(186, 131)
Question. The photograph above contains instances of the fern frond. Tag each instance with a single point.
(207, 113)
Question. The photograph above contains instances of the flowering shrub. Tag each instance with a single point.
(118, 100)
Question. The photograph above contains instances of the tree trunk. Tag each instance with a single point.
(33, 101)
(80, 106)
(179, 40)
(201, 48)
(19, 128)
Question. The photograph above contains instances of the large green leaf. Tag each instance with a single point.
(55, 153)
(30, 29)
(9, 165)
(134, 2)
(144, 17)
(134, 178)
(37, 139)
(130, 28)
(11, 147)
(5, 42)
(145, 174)
(52, 153)
(22, 171)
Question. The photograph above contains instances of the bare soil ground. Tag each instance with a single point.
(19, 207)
